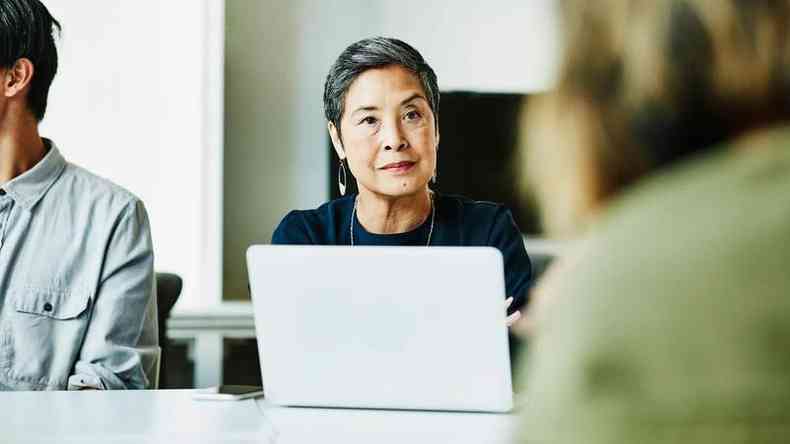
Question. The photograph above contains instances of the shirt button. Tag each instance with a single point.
(47, 307)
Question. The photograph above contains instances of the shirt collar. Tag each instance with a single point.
(29, 187)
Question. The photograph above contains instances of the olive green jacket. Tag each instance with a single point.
(675, 326)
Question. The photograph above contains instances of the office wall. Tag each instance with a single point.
(277, 55)
(492, 46)
(136, 100)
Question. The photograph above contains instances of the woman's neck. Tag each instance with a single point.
(380, 214)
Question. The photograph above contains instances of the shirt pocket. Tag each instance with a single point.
(42, 332)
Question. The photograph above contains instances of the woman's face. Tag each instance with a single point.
(389, 136)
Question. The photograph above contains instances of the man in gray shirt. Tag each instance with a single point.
(77, 307)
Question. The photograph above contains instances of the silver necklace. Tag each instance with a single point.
(430, 231)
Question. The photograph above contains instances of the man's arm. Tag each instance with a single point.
(123, 316)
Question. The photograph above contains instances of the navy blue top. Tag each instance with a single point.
(459, 222)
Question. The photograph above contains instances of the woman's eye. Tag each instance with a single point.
(369, 120)
(413, 115)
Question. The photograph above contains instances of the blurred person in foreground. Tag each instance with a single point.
(667, 147)
(77, 308)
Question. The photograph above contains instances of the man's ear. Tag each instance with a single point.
(335, 136)
(17, 78)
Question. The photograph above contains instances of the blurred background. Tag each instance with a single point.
(211, 112)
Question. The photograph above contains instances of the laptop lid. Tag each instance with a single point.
(382, 327)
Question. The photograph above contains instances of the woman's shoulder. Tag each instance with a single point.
(467, 207)
(312, 225)
(479, 222)
(325, 212)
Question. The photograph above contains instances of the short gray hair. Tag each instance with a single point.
(374, 53)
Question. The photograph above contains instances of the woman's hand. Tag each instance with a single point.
(515, 316)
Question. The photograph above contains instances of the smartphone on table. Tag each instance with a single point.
(228, 393)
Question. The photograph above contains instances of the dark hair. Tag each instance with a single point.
(373, 53)
(26, 31)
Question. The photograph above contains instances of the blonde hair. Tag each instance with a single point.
(646, 83)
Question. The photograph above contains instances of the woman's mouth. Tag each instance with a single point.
(401, 167)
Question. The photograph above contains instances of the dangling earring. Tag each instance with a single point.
(341, 178)
(435, 168)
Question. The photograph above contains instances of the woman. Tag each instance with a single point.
(381, 101)
(669, 322)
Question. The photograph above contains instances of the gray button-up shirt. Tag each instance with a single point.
(77, 306)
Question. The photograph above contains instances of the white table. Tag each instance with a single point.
(171, 416)
(299, 425)
(165, 416)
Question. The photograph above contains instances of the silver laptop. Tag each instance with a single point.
(382, 327)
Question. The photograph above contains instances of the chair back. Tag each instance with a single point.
(168, 289)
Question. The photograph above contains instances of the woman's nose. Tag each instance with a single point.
(399, 147)
(393, 138)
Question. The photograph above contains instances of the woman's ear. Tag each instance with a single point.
(336, 142)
